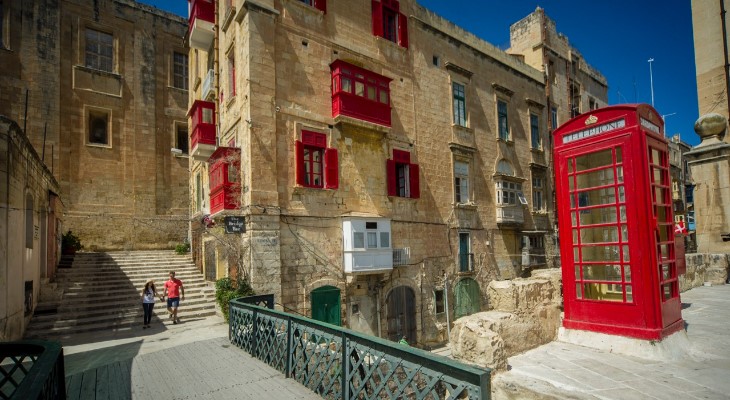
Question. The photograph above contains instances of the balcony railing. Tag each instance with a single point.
(32, 369)
(201, 24)
(401, 256)
(510, 215)
(338, 363)
(207, 91)
(466, 262)
(369, 261)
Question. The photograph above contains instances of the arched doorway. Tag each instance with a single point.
(402, 314)
(326, 305)
(466, 293)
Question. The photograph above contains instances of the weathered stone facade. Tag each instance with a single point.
(272, 59)
(573, 86)
(103, 109)
(30, 229)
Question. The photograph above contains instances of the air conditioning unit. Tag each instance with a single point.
(401, 256)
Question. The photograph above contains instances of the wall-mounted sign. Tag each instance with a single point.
(235, 224)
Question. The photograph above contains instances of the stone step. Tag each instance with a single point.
(120, 325)
(111, 314)
(102, 292)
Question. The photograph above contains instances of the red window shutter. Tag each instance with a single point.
(401, 157)
(377, 18)
(331, 175)
(414, 181)
(390, 176)
(321, 5)
(299, 168)
(403, 30)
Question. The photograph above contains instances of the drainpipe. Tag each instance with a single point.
(725, 50)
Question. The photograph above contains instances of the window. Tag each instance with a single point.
(502, 120)
(459, 96)
(99, 50)
(533, 250)
(509, 193)
(180, 70)
(316, 164)
(376, 238)
(465, 255)
(231, 73)
(389, 23)
(538, 191)
(181, 137)
(438, 301)
(535, 132)
(28, 221)
(592, 105)
(575, 100)
(360, 93)
(198, 192)
(318, 4)
(98, 127)
(554, 118)
(403, 179)
(461, 182)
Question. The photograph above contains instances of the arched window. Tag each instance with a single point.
(28, 221)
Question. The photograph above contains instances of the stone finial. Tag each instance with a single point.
(711, 128)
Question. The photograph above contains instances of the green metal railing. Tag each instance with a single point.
(338, 363)
(31, 369)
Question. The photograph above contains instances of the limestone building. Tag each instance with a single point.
(386, 167)
(30, 212)
(100, 89)
(572, 86)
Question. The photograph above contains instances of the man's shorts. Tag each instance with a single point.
(173, 302)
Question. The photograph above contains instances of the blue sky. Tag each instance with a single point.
(617, 37)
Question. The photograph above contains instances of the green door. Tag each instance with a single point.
(326, 305)
(466, 293)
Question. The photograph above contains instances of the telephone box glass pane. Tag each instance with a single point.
(594, 160)
(602, 234)
(603, 291)
(578, 293)
(597, 216)
(627, 273)
(629, 296)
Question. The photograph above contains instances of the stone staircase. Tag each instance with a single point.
(102, 292)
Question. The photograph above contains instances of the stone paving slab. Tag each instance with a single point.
(192, 360)
(561, 370)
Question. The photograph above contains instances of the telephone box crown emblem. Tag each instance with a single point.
(591, 120)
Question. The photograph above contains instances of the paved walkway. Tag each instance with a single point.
(191, 360)
(691, 365)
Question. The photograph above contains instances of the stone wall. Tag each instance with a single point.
(712, 269)
(525, 314)
(131, 193)
(28, 213)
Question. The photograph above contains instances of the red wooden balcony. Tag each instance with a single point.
(224, 179)
(202, 136)
(201, 28)
(360, 94)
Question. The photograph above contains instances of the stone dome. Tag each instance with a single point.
(710, 125)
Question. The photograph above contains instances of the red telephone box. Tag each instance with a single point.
(616, 226)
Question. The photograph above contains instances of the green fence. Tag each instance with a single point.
(339, 363)
(31, 370)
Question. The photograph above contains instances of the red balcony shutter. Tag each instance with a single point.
(377, 18)
(390, 176)
(403, 30)
(321, 5)
(414, 181)
(331, 176)
(299, 168)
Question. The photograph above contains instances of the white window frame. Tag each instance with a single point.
(461, 181)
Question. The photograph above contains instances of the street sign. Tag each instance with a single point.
(235, 224)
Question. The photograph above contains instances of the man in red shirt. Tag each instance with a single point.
(173, 290)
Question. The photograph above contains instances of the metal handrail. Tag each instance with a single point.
(319, 355)
(44, 378)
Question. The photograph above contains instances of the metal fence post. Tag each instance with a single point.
(289, 334)
(254, 334)
(345, 368)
